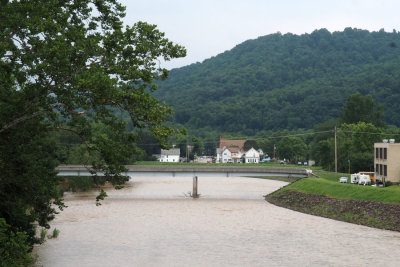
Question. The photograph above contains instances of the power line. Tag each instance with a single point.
(268, 138)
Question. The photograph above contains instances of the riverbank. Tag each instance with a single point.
(326, 197)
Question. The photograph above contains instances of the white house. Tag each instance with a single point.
(229, 150)
(226, 155)
(232, 151)
(236, 154)
(252, 156)
(171, 155)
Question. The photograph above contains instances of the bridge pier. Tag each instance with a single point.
(195, 180)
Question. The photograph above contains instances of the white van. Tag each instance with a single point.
(364, 179)
(354, 178)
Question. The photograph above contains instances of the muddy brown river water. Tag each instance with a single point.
(153, 222)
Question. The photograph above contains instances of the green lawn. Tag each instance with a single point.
(328, 185)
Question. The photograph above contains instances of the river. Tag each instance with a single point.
(154, 222)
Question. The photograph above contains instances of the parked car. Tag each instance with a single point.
(266, 160)
(343, 180)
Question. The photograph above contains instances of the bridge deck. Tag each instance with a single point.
(80, 169)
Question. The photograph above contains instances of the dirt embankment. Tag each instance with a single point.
(369, 213)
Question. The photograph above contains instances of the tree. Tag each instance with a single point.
(292, 148)
(324, 153)
(250, 144)
(359, 108)
(356, 143)
(13, 248)
(198, 146)
(69, 66)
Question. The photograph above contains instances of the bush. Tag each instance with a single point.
(82, 183)
(388, 183)
(43, 233)
(54, 234)
(14, 247)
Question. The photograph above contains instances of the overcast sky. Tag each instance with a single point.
(209, 27)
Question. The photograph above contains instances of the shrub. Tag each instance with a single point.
(388, 183)
(43, 233)
(56, 232)
(14, 247)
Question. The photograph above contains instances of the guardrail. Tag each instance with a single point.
(81, 170)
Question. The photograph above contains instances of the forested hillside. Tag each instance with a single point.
(286, 81)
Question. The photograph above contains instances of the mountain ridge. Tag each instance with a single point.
(288, 81)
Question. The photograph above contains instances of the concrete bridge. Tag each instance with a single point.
(182, 170)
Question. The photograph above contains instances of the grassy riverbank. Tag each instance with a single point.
(326, 197)
(279, 178)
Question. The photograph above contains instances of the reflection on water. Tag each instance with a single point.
(152, 222)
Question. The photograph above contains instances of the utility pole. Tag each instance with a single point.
(187, 153)
(335, 150)
(349, 166)
(274, 151)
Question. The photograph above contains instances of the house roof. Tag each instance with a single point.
(253, 151)
(234, 149)
(173, 151)
(223, 142)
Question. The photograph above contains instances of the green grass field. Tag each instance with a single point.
(328, 185)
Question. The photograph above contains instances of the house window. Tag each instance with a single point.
(380, 169)
(385, 153)
(377, 153)
(377, 169)
(385, 170)
(380, 153)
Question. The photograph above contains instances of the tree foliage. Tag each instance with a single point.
(70, 66)
(286, 81)
(14, 250)
(292, 148)
(355, 143)
(359, 108)
(250, 144)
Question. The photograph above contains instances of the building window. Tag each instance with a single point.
(377, 168)
(385, 170)
(385, 153)
(380, 153)
(377, 153)
(380, 169)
